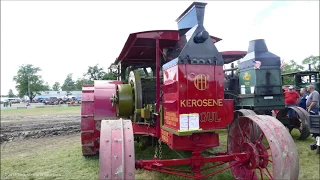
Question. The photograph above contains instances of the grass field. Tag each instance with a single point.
(60, 158)
(42, 111)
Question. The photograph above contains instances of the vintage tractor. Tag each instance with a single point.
(302, 79)
(256, 86)
(170, 88)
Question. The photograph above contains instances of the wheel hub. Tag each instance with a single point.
(252, 154)
(263, 155)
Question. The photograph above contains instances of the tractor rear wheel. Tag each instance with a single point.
(88, 125)
(272, 153)
(95, 105)
(116, 155)
(299, 121)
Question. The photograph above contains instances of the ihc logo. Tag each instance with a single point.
(201, 82)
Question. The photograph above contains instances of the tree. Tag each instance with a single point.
(109, 76)
(69, 84)
(94, 73)
(80, 82)
(314, 61)
(28, 79)
(10, 93)
(56, 86)
(290, 67)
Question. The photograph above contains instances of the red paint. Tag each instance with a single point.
(157, 85)
(140, 46)
(89, 133)
(191, 94)
(195, 142)
(103, 91)
(110, 156)
(143, 129)
(195, 161)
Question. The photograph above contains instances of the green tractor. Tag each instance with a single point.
(303, 78)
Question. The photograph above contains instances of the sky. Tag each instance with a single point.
(63, 37)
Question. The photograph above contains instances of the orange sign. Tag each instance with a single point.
(201, 82)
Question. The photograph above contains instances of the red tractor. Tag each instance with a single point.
(170, 88)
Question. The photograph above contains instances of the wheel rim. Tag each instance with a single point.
(299, 121)
(272, 153)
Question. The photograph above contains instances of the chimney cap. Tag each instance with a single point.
(191, 7)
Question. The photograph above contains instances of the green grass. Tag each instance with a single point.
(63, 160)
(42, 111)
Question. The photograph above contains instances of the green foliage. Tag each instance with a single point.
(82, 81)
(314, 61)
(109, 76)
(11, 94)
(56, 86)
(27, 76)
(94, 73)
(69, 84)
(290, 67)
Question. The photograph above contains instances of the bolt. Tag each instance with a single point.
(129, 140)
(107, 140)
(130, 174)
(106, 176)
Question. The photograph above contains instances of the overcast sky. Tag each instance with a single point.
(67, 37)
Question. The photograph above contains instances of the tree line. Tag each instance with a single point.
(30, 83)
(27, 77)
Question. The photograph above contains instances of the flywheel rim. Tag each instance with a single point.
(135, 82)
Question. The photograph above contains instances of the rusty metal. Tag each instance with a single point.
(299, 121)
(117, 158)
(274, 148)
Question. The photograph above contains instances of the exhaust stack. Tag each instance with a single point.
(195, 45)
(192, 16)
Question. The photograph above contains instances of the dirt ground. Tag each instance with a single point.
(18, 126)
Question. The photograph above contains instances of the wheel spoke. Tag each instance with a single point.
(261, 174)
(264, 173)
(269, 172)
(254, 132)
(236, 140)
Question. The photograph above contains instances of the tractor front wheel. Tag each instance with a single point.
(116, 155)
(272, 154)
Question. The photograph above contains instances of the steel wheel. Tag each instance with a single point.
(272, 154)
(299, 121)
(247, 112)
(116, 156)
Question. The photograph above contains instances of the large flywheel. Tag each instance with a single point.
(135, 82)
(272, 153)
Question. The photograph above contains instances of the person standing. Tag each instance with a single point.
(291, 99)
(312, 100)
(303, 98)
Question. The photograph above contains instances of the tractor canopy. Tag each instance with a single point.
(140, 47)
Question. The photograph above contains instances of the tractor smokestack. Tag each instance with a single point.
(192, 16)
(258, 45)
(309, 67)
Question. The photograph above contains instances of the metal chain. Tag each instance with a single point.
(160, 149)
(156, 152)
